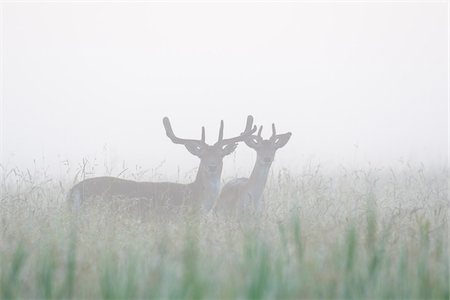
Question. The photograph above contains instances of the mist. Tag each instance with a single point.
(104, 195)
(354, 83)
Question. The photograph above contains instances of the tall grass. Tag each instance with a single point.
(368, 233)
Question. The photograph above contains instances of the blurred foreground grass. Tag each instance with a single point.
(373, 233)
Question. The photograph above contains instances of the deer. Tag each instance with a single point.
(199, 195)
(245, 195)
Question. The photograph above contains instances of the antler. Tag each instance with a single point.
(258, 138)
(178, 140)
(274, 133)
(220, 132)
(249, 130)
(279, 140)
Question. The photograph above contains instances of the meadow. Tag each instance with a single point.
(341, 233)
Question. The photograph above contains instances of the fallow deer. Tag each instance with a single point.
(244, 195)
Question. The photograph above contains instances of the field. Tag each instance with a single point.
(342, 233)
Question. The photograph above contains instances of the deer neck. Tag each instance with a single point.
(206, 187)
(257, 180)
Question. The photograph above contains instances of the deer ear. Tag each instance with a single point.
(228, 149)
(194, 149)
(251, 142)
(282, 139)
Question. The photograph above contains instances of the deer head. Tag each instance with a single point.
(211, 156)
(266, 149)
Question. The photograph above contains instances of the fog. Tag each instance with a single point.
(354, 83)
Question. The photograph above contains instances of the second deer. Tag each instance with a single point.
(244, 195)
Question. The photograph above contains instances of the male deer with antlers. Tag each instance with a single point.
(161, 196)
(244, 195)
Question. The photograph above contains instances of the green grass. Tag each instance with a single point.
(344, 234)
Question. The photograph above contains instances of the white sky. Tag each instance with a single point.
(353, 82)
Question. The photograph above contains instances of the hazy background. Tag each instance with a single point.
(354, 83)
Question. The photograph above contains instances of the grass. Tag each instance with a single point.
(371, 233)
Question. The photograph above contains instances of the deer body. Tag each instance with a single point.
(163, 196)
(245, 195)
